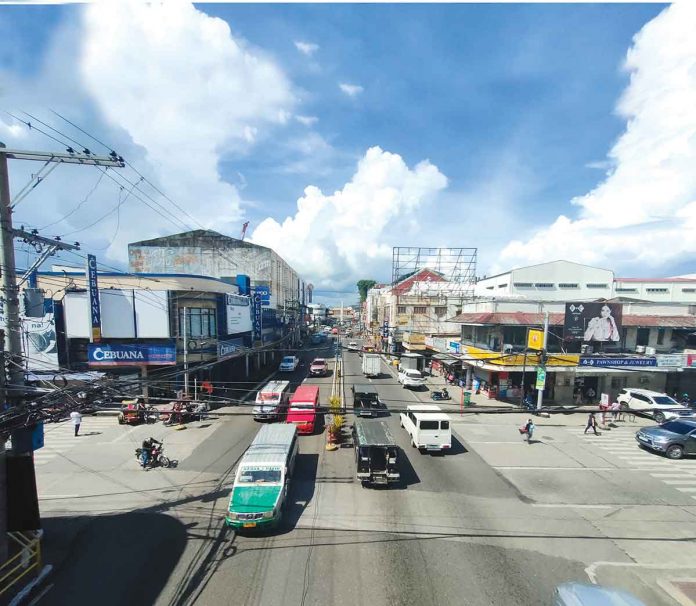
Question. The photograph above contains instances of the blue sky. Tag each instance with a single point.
(519, 112)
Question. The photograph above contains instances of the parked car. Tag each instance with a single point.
(411, 378)
(289, 364)
(673, 438)
(660, 405)
(318, 368)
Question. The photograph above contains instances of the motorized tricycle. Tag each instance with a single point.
(134, 412)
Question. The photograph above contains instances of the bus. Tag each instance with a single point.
(272, 401)
(428, 427)
(303, 408)
(262, 482)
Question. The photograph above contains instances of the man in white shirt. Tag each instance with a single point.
(76, 419)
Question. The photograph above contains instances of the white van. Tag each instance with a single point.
(272, 401)
(428, 427)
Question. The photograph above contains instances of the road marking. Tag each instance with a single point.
(508, 468)
(686, 488)
(676, 482)
(574, 506)
(683, 474)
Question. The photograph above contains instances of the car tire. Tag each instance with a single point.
(659, 416)
(675, 451)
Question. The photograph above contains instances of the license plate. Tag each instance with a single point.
(249, 525)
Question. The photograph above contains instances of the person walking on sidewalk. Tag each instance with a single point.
(591, 424)
(76, 419)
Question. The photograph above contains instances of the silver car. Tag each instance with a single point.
(673, 438)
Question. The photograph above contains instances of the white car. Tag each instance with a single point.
(289, 364)
(411, 378)
(662, 407)
(352, 346)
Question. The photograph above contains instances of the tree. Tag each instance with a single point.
(363, 287)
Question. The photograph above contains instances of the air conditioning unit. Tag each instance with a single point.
(650, 351)
(640, 349)
(507, 348)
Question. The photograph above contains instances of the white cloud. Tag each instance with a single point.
(306, 48)
(352, 90)
(643, 215)
(307, 120)
(11, 130)
(337, 239)
(172, 90)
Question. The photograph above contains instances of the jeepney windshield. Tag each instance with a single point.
(260, 475)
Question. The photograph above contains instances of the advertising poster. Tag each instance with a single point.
(593, 322)
(238, 310)
(39, 342)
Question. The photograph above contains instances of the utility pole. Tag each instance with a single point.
(542, 365)
(11, 367)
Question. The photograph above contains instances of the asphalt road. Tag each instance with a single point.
(460, 529)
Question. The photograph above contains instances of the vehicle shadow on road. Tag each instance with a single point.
(89, 433)
(301, 490)
(409, 477)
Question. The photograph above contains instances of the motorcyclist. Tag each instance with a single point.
(445, 393)
(147, 448)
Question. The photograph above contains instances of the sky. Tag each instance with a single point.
(532, 132)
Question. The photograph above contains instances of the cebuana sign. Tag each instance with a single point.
(130, 355)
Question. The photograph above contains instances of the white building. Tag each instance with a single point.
(568, 281)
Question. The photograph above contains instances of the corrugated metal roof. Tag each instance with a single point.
(519, 318)
(373, 432)
(271, 444)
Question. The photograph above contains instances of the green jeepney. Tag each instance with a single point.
(262, 481)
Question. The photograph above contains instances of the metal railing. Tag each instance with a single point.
(24, 562)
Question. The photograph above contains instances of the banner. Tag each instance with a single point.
(535, 339)
(94, 307)
(238, 312)
(131, 355)
(671, 360)
(39, 341)
(598, 322)
(540, 378)
(616, 362)
(257, 321)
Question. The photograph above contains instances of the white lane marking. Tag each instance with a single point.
(682, 475)
(591, 570)
(686, 488)
(513, 468)
(677, 482)
(574, 506)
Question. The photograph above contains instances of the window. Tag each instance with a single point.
(567, 285)
(419, 309)
(400, 309)
(441, 311)
(444, 424)
(201, 322)
(660, 336)
(643, 337)
(523, 284)
(502, 285)
(688, 289)
(656, 290)
(490, 287)
(428, 425)
(626, 289)
(544, 285)
(593, 285)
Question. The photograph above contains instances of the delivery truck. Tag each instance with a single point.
(371, 365)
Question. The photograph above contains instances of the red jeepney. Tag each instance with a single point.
(303, 408)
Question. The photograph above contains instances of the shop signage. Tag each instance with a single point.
(598, 362)
(671, 360)
(130, 355)
(228, 348)
(94, 307)
(592, 322)
(540, 377)
(257, 325)
(691, 360)
(454, 346)
(265, 293)
(535, 339)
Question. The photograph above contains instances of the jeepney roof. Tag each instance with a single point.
(364, 389)
(373, 432)
(271, 445)
(275, 387)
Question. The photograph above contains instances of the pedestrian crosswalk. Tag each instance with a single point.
(621, 446)
(59, 438)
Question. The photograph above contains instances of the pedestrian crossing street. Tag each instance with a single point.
(59, 438)
(621, 446)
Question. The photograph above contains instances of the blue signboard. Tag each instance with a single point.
(94, 307)
(229, 347)
(257, 317)
(615, 362)
(131, 355)
(265, 293)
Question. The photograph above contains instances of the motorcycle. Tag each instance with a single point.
(156, 457)
(440, 395)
